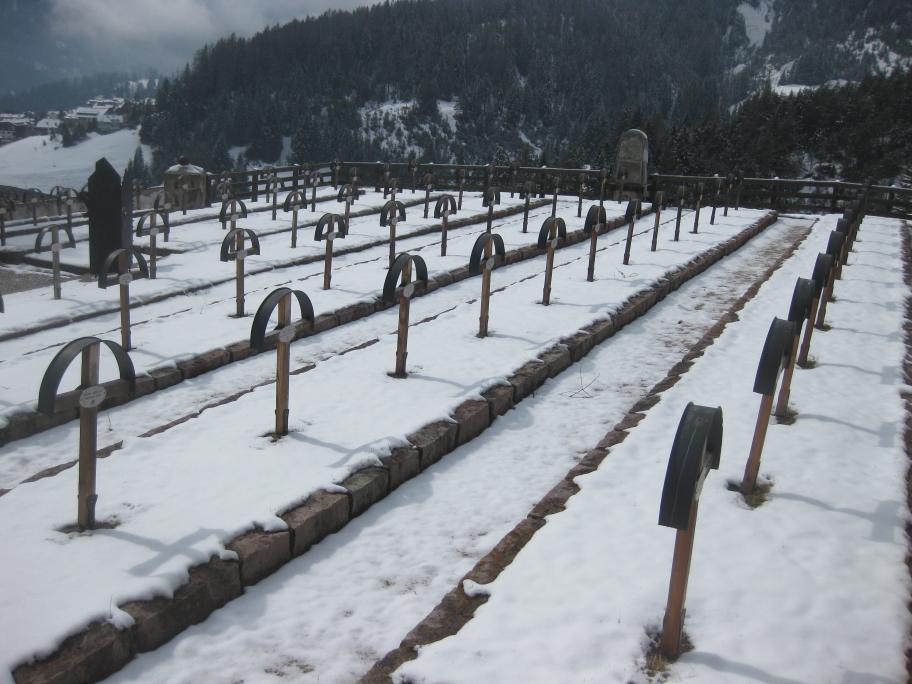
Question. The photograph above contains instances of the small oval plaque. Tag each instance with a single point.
(56, 247)
(153, 232)
(491, 263)
(241, 254)
(92, 397)
(331, 235)
(125, 278)
(287, 334)
(408, 290)
(555, 242)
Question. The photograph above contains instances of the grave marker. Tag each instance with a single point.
(163, 203)
(697, 210)
(336, 170)
(92, 396)
(715, 200)
(490, 198)
(7, 207)
(681, 191)
(446, 205)
(293, 202)
(799, 310)
(556, 191)
(413, 171)
(657, 207)
(632, 159)
(695, 451)
(834, 247)
(402, 266)
(549, 235)
(392, 184)
(231, 211)
(819, 277)
(124, 278)
(313, 180)
(581, 179)
(55, 247)
(272, 188)
(152, 232)
(773, 359)
(348, 193)
(596, 219)
(460, 177)
(110, 217)
(280, 298)
(428, 182)
(482, 261)
(527, 192)
(233, 249)
(603, 174)
(392, 212)
(329, 227)
(630, 218)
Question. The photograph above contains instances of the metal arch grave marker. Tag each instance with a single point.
(428, 182)
(90, 400)
(526, 193)
(152, 232)
(596, 219)
(715, 200)
(773, 360)
(280, 298)
(233, 249)
(548, 235)
(402, 267)
(581, 179)
(490, 198)
(293, 202)
(163, 204)
(393, 212)
(819, 278)
(460, 179)
(122, 256)
(834, 249)
(55, 247)
(231, 210)
(348, 193)
(695, 451)
(677, 235)
(657, 207)
(482, 249)
(445, 207)
(799, 310)
(700, 188)
(630, 218)
(328, 228)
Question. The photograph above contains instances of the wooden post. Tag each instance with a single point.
(55, 259)
(593, 246)
(402, 331)
(443, 231)
(427, 198)
(283, 362)
(715, 201)
(752, 468)
(124, 280)
(786, 387)
(579, 206)
(348, 201)
(697, 212)
(556, 190)
(680, 210)
(2, 226)
(673, 623)
(315, 181)
(825, 297)
(69, 215)
(728, 194)
(549, 265)
(490, 214)
(461, 186)
(808, 332)
(275, 195)
(88, 437)
(629, 238)
(526, 213)
(294, 221)
(183, 196)
(485, 296)
(328, 257)
(153, 236)
(239, 274)
(657, 206)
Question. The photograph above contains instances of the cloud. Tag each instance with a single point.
(166, 33)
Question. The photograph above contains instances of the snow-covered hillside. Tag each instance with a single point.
(38, 162)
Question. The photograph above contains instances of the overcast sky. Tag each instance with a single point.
(166, 33)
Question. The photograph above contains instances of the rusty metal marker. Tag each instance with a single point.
(445, 207)
(680, 210)
(630, 218)
(91, 398)
(348, 193)
(55, 247)
(799, 310)
(657, 207)
(490, 198)
(122, 256)
(773, 359)
(552, 230)
(392, 212)
(402, 267)
(833, 249)
(233, 249)
(152, 232)
(697, 210)
(596, 220)
(329, 227)
(428, 182)
(231, 211)
(819, 278)
(695, 451)
(293, 202)
(280, 298)
(482, 261)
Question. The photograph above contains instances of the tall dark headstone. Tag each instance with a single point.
(109, 204)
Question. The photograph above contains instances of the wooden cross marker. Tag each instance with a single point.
(556, 191)
(695, 451)
(329, 227)
(402, 267)
(491, 198)
(152, 232)
(528, 190)
(233, 249)
(514, 179)
(739, 177)
(548, 237)
(460, 175)
(163, 203)
(729, 185)
(834, 246)
(231, 211)
(287, 331)
(125, 277)
(347, 194)
(428, 181)
(90, 400)
(581, 178)
(799, 310)
(604, 186)
(55, 247)
(273, 188)
(630, 217)
(819, 278)
(413, 170)
(596, 220)
(677, 234)
(843, 226)
(392, 212)
(33, 202)
(336, 170)
(773, 359)
(715, 201)
(314, 180)
(293, 202)
(481, 261)
(657, 207)
(697, 210)
(446, 205)
(7, 207)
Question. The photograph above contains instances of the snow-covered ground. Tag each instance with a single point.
(170, 493)
(809, 587)
(39, 162)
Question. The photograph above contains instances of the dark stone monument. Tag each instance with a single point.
(109, 204)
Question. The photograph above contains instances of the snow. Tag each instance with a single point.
(809, 587)
(448, 112)
(178, 497)
(39, 162)
(758, 20)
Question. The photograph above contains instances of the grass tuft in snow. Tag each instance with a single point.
(655, 663)
(761, 491)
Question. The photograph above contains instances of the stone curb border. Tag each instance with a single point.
(907, 402)
(457, 608)
(27, 423)
(101, 649)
